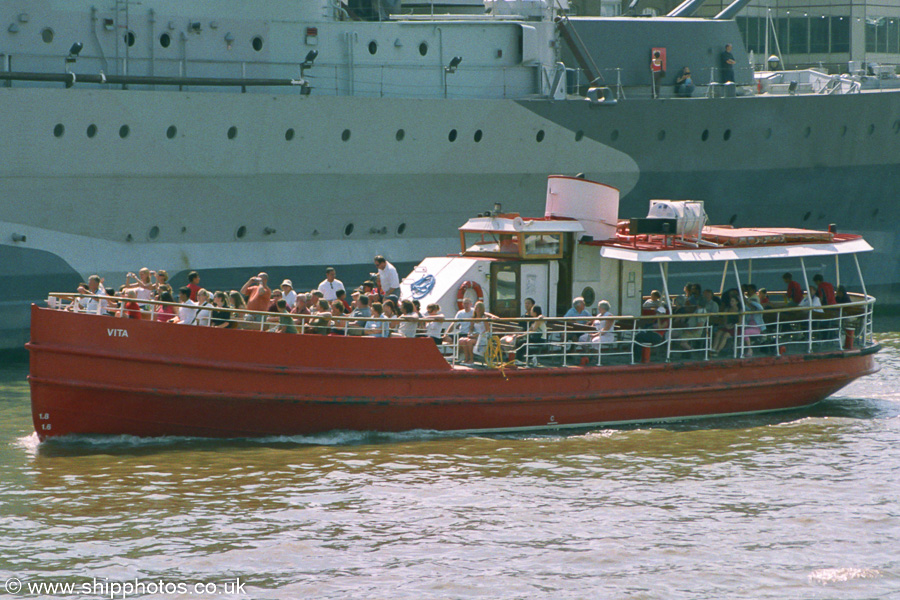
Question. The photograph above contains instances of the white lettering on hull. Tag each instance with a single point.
(117, 332)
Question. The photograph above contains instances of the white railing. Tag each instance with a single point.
(563, 341)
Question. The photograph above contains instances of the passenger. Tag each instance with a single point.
(824, 290)
(387, 277)
(342, 297)
(578, 310)
(290, 296)
(462, 328)
(684, 84)
(361, 313)
(194, 284)
(658, 72)
(238, 303)
(763, 294)
(285, 321)
(377, 326)
(476, 342)
(322, 323)
(315, 301)
(816, 303)
(273, 300)
(725, 331)
(418, 306)
(753, 323)
(143, 286)
(529, 304)
(652, 332)
(204, 314)
(162, 279)
(841, 296)
(165, 312)
(389, 313)
(130, 308)
(258, 293)
(330, 285)
(709, 303)
(434, 323)
(409, 320)
(96, 300)
(654, 302)
(221, 316)
(339, 326)
(187, 315)
(728, 63)
(532, 342)
(604, 325)
(794, 292)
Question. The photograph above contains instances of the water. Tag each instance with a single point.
(797, 505)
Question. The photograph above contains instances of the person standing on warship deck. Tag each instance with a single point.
(728, 65)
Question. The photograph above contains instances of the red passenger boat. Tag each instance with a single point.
(97, 374)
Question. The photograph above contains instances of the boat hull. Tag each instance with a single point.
(100, 375)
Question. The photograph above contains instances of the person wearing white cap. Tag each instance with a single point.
(290, 296)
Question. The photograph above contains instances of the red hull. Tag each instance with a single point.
(88, 377)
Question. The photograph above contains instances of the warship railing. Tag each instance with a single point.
(555, 341)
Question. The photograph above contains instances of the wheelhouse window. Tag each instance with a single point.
(492, 243)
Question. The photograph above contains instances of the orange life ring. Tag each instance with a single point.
(464, 287)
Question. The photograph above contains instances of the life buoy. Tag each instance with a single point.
(464, 287)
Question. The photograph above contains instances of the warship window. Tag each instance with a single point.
(661, 135)
(129, 38)
(91, 130)
(423, 48)
(843, 130)
(124, 130)
(47, 35)
(705, 135)
(257, 43)
(807, 216)
(807, 131)
(732, 219)
(400, 135)
(452, 135)
(348, 229)
(589, 295)
(871, 128)
(401, 228)
(232, 132)
(896, 126)
(59, 130)
(171, 132)
(241, 232)
(768, 133)
(153, 233)
(345, 135)
(478, 135)
(165, 40)
(727, 135)
(289, 135)
(614, 135)
(579, 135)
(373, 47)
(540, 136)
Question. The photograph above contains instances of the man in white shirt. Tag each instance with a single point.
(186, 314)
(330, 286)
(290, 296)
(388, 279)
(96, 303)
(465, 327)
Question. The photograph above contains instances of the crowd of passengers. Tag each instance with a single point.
(375, 309)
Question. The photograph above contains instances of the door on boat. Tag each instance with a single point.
(512, 282)
(505, 296)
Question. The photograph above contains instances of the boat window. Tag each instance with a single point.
(506, 285)
(544, 244)
(491, 242)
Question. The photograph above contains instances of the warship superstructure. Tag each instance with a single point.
(228, 137)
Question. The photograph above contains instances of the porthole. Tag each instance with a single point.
(257, 43)
(807, 216)
(806, 131)
(423, 48)
(661, 135)
(727, 135)
(124, 130)
(400, 135)
(240, 232)
(153, 233)
(896, 126)
(843, 130)
(373, 47)
(540, 136)
(165, 40)
(59, 130)
(478, 135)
(345, 135)
(768, 133)
(614, 135)
(401, 228)
(589, 295)
(874, 213)
(129, 38)
(579, 135)
(348, 229)
(171, 132)
(289, 135)
(871, 129)
(232, 132)
(705, 135)
(91, 130)
(732, 219)
(452, 135)
(47, 35)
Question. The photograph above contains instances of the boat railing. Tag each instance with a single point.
(556, 341)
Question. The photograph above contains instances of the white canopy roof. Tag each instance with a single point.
(507, 225)
(728, 253)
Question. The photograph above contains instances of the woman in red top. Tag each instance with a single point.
(165, 313)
